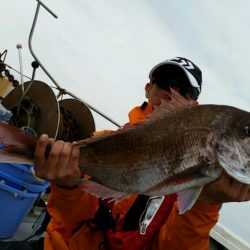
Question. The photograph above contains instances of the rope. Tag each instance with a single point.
(17, 71)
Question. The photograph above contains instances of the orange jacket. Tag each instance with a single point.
(72, 211)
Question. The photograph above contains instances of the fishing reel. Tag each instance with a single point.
(34, 107)
(37, 111)
(76, 120)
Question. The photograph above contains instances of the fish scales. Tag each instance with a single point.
(137, 159)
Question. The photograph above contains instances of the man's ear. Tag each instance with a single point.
(148, 87)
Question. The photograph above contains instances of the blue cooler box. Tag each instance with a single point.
(19, 189)
(21, 171)
(15, 205)
(22, 185)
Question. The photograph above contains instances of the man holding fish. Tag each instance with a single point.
(75, 224)
(179, 194)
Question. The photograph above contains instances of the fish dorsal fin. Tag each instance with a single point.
(97, 137)
(175, 103)
(105, 134)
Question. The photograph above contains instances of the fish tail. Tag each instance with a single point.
(15, 145)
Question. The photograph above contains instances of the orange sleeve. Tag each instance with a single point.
(189, 230)
(68, 208)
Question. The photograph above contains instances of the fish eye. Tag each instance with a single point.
(247, 130)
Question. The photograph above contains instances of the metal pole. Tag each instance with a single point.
(47, 8)
(64, 91)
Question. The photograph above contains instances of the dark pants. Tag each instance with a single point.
(22, 245)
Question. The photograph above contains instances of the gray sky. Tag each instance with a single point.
(102, 51)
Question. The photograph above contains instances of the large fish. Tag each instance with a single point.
(178, 148)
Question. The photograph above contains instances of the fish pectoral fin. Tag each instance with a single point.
(103, 192)
(186, 198)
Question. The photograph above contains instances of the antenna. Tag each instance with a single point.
(19, 47)
(61, 90)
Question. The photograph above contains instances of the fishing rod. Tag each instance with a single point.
(61, 90)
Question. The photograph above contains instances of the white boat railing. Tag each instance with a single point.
(228, 239)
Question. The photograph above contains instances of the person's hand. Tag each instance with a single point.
(61, 165)
(226, 189)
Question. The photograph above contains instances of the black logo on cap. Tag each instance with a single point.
(190, 67)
